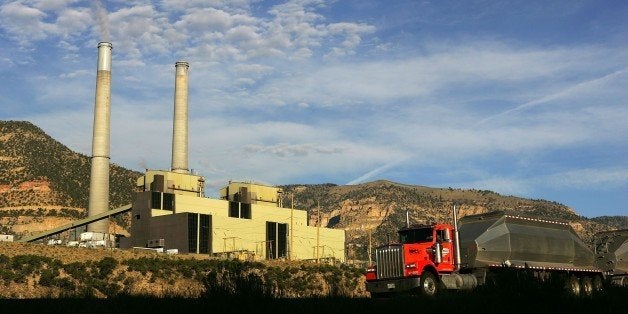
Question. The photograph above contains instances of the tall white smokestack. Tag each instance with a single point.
(99, 179)
(180, 127)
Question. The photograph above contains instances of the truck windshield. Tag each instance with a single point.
(416, 235)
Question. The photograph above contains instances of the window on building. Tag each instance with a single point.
(271, 240)
(245, 210)
(276, 240)
(282, 240)
(239, 210)
(168, 201)
(155, 200)
(442, 235)
(204, 234)
(192, 232)
(234, 209)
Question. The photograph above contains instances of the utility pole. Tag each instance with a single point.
(370, 246)
(291, 222)
(318, 230)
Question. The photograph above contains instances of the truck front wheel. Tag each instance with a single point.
(429, 284)
(573, 285)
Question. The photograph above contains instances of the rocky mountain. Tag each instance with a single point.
(377, 209)
(44, 184)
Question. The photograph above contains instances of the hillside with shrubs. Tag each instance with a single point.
(43, 183)
(80, 272)
(373, 212)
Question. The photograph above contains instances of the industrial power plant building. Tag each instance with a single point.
(170, 210)
(247, 221)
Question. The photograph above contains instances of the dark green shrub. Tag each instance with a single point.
(47, 277)
(65, 284)
(105, 266)
(77, 270)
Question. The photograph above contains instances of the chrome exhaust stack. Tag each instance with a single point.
(457, 240)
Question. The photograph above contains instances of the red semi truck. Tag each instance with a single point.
(461, 256)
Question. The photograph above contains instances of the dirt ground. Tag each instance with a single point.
(78, 254)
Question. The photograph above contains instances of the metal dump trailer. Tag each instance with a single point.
(465, 254)
(496, 239)
(611, 252)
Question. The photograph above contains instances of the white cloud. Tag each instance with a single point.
(192, 5)
(468, 67)
(73, 21)
(51, 5)
(501, 185)
(290, 91)
(590, 179)
(291, 150)
(23, 22)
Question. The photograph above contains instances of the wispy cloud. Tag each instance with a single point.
(589, 178)
(310, 90)
(283, 150)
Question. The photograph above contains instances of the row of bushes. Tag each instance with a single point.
(80, 278)
(63, 212)
(233, 277)
(218, 277)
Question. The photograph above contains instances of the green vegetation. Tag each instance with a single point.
(233, 277)
(109, 277)
(235, 287)
(615, 222)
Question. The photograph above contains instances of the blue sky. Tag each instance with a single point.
(525, 98)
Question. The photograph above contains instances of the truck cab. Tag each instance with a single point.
(416, 261)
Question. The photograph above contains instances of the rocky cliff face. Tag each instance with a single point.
(376, 210)
(44, 184)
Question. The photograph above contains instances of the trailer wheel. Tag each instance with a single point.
(586, 286)
(429, 284)
(573, 285)
(598, 285)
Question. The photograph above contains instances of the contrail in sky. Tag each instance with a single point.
(560, 94)
(373, 172)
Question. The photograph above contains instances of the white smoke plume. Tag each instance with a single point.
(100, 15)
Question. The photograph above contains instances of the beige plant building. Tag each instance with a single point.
(249, 220)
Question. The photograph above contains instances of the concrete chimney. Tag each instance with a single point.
(99, 179)
(180, 127)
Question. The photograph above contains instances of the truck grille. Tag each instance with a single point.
(389, 260)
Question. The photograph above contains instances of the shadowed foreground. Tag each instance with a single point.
(613, 300)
